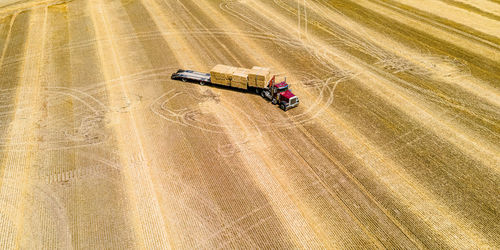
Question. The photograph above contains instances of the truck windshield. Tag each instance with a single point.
(283, 89)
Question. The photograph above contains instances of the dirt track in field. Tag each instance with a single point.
(394, 144)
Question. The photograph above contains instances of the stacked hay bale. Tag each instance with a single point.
(240, 78)
(222, 74)
(258, 77)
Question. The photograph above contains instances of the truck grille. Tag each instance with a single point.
(293, 101)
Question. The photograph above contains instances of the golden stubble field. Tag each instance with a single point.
(394, 145)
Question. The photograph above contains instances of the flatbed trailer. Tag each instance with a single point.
(192, 76)
(277, 93)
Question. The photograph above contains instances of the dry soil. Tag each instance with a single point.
(395, 143)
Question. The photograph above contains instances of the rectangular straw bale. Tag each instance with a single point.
(222, 74)
(240, 78)
(258, 77)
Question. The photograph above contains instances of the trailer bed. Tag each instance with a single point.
(190, 75)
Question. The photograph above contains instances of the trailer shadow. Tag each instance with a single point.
(252, 91)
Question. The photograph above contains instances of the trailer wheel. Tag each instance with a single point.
(263, 94)
(184, 79)
(202, 83)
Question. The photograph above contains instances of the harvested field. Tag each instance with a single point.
(395, 143)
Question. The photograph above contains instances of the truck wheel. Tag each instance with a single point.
(282, 106)
(274, 101)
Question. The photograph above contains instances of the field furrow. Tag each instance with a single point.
(394, 143)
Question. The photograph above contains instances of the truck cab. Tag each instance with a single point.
(282, 95)
(287, 100)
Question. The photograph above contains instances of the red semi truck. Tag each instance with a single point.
(257, 80)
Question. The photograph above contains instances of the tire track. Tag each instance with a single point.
(436, 39)
(208, 167)
(248, 239)
(407, 103)
(450, 20)
(489, 119)
(274, 14)
(369, 195)
(425, 60)
(177, 46)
